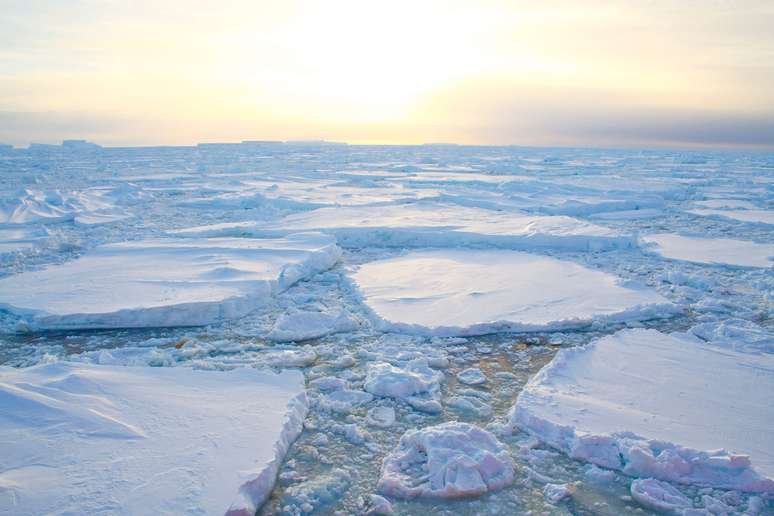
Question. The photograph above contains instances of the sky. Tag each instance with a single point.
(648, 73)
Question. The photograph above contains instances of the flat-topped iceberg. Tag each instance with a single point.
(431, 224)
(87, 439)
(474, 292)
(716, 251)
(165, 282)
(662, 406)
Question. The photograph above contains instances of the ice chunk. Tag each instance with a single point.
(382, 417)
(555, 493)
(310, 325)
(82, 439)
(450, 460)
(471, 376)
(431, 224)
(414, 379)
(165, 282)
(736, 334)
(655, 494)
(474, 292)
(724, 251)
(656, 405)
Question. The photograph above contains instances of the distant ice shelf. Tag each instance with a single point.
(650, 404)
(472, 292)
(87, 439)
(165, 282)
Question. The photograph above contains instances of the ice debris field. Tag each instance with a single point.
(314, 328)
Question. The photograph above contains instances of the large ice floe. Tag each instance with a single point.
(474, 292)
(656, 405)
(86, 439)
(450, 460)
(165, 282)
(431, 224)
(717, 251)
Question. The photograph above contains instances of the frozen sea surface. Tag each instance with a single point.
(587, 234)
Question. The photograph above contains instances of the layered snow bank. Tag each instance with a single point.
(472, 292)
(451, 460)
(166, 282)
(656, 405)
(92, 439)
(722, 251)
(431, 224)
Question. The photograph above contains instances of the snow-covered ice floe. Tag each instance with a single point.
(87, 439)
(165, 282)
(305, 325)
(657, 405)
(718, 251)
(474, 292)
(431, 224)
(450, 460)
(752, 216)
(92, 206)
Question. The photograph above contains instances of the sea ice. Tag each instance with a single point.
(87, 439)
(165, 282)
(414, 379)
(723, 251)
(431, 224)
(450, 460)
(300, 326)
(657, 405)
(754, 216)
(659, 495)
(473, 292)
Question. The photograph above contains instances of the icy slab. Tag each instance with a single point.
(736, 334)
(87, 439)
(166, 282)
(661, 406)
(755, 216)
(715, 251)
(301, 326)
(415, 383)
(450, 460)
(31, 206)
(659, 495)
(20, 238)
(431, 224)
(474, 292)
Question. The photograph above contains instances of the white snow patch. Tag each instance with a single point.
(87, 439)
(474, 292)
(656, 405)
(450, 460)
(166, 282)
(723, 251)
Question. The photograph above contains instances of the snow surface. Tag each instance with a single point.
(431, 224)
(473, 292)
(166, 282)
(755, 216)
(451, 460)
(721, 251)
(87, 439)
(656, 405)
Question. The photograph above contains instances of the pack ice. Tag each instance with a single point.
(431, 224)
(165, 282)
(474, 292)
(669, 407)
(718, 251)
(88, 439)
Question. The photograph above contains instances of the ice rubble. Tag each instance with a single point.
(82, 439)
(414, 382)
(718, 251)
(474, 292)
(431, 224)
(300, 326)
(657, 405)
(450, 460)
(165, 282)
(35, 206)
